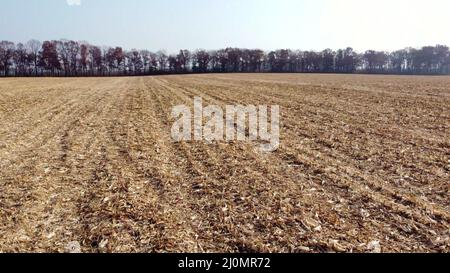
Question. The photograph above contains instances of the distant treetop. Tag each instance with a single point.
(71, 58)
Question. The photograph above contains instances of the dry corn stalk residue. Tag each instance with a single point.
(88, 165)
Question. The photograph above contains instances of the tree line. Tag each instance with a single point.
(72, 58)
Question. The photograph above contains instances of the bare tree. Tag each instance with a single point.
(6, 53)
(33, 47)
(97, 58)
(145, 54)
(184, 57)
(21, 59)
(162, 60)
(399, 60)
(48, 57)
(201, 60)
(135, 60)
(84, 57)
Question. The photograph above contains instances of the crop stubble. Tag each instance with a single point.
(362, 159)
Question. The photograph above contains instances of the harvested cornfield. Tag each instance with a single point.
(88, 164)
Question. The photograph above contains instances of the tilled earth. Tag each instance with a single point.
(89, 163)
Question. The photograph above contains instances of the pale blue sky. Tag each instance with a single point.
(212, 24)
